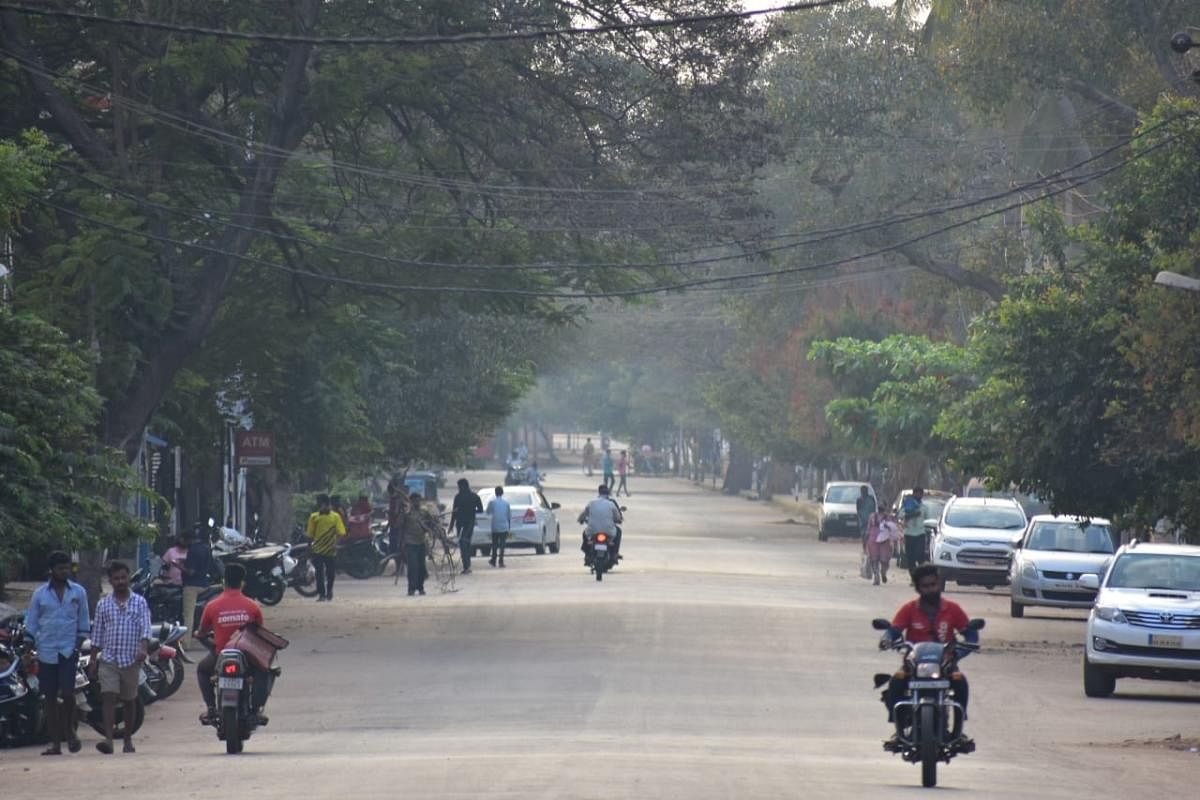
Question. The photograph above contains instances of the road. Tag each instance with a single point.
(729, 656)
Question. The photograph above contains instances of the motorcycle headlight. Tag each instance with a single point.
(1109, 614)
(929, 670)
(1029, 571)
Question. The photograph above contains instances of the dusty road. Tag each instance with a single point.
(729, 657)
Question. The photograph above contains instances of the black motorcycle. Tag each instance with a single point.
(22, 717)
(362, 558)
(600, 552)
(237, 718)
(928, 719)
(264, 572)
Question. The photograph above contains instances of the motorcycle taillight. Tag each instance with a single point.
(231, 668)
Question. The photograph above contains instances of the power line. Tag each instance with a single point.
(477, 37)
(712, 281)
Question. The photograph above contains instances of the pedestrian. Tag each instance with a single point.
(606, 466)
(883, 535)
(120, 642)
(916, 541)
(589, 456)
(865, 505)
(58, 620)
(462, 518)
(173, 561)
(415, 543)
(325, 528)
(196, 578)
(623, 471)
(501, 513)
(358, 525)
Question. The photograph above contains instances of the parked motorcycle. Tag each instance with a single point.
(163, 666)
(165, 600)
(264, 571)
(298, 571)
(362, 558)
(928, 719)
(22, 718)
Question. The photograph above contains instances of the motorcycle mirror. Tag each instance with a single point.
(623, 508)
(880, 624)
(556, 505)
(976, 625)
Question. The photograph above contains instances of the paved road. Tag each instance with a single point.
(729, 657)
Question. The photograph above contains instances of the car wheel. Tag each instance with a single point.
(540, 549)
(1097, 682)
(557, 541)
(1015, 609)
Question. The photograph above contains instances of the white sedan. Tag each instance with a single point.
(534, 523)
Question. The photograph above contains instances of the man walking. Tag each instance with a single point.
(325, 528)
(501, 513)
(462, 518)
(589, 456)
(916, 541)
(119, 646)
(58, 620)
(865, 506)
(623, 471)
(415, 544)
(196, 567)
(606, 466)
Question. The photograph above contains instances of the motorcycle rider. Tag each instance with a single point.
(602, 514)
(928, 618)
(224, 615)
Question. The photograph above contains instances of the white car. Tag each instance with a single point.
(1146, 620)
(839, 510)
(1050, 557)
(972, 544)
(534, 523)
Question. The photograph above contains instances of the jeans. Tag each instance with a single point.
(609, 480)
(416, 567)
(622, 486)
(326, 567)
(204, 674)
(499, 540)
(464, 544)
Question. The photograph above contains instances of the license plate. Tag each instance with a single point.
(229, 683)
(1162, 640)
(601, 548)
(929, 684)
(1066, 585)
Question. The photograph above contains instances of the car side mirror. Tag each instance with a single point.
(930, 523)
(976, 625)
(1089, 581)
(880, 624)
(556, 505)
(1017, 541)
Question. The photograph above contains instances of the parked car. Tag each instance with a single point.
(534, 523)
(1051, 555)
(972, 542)
(839, 515)
(1146, 620)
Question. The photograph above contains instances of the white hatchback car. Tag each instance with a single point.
(973, 541)
(1146, 620)
(534, 523)
(1050, 557)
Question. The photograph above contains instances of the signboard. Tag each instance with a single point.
(255, 449)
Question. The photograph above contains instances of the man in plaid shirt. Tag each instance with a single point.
(120, 637)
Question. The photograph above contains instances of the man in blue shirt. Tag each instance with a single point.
(501, 513)
(58, 620)
(196, 577)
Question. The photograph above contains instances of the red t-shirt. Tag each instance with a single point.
(359, 522)
(227, 613)
(914, 623)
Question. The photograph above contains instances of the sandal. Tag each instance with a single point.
(52, 750)
(73, 744)
(104, 747)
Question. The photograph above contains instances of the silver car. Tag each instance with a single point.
(534, 523)
(1050, 557)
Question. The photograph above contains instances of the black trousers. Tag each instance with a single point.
(326, 567)
(416, 567)
(204, 674)
(464, 544)
(499, 542)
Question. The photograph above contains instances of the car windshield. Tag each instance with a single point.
(1068, 537)
(997, 518)
(842, 494)
(514, 498)
(1156, 571)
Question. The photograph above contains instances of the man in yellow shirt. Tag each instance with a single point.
(325, 528)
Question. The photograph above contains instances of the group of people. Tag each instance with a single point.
(884, 532)
(612, 469)
(467, 504)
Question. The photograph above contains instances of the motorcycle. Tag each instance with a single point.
(22, 719)
(164, 599)
(362, 558)
(264, 571)
(237, 718)
(600, 553)
(928, 719)
(163, 666)
(298, 571)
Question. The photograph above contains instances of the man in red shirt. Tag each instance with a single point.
(358, 522)
(928, 618)
(225, 614)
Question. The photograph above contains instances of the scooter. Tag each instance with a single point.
(928, 720)
(298, 571)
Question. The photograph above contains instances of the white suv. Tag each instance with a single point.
(973, 543)
(1146, 621)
